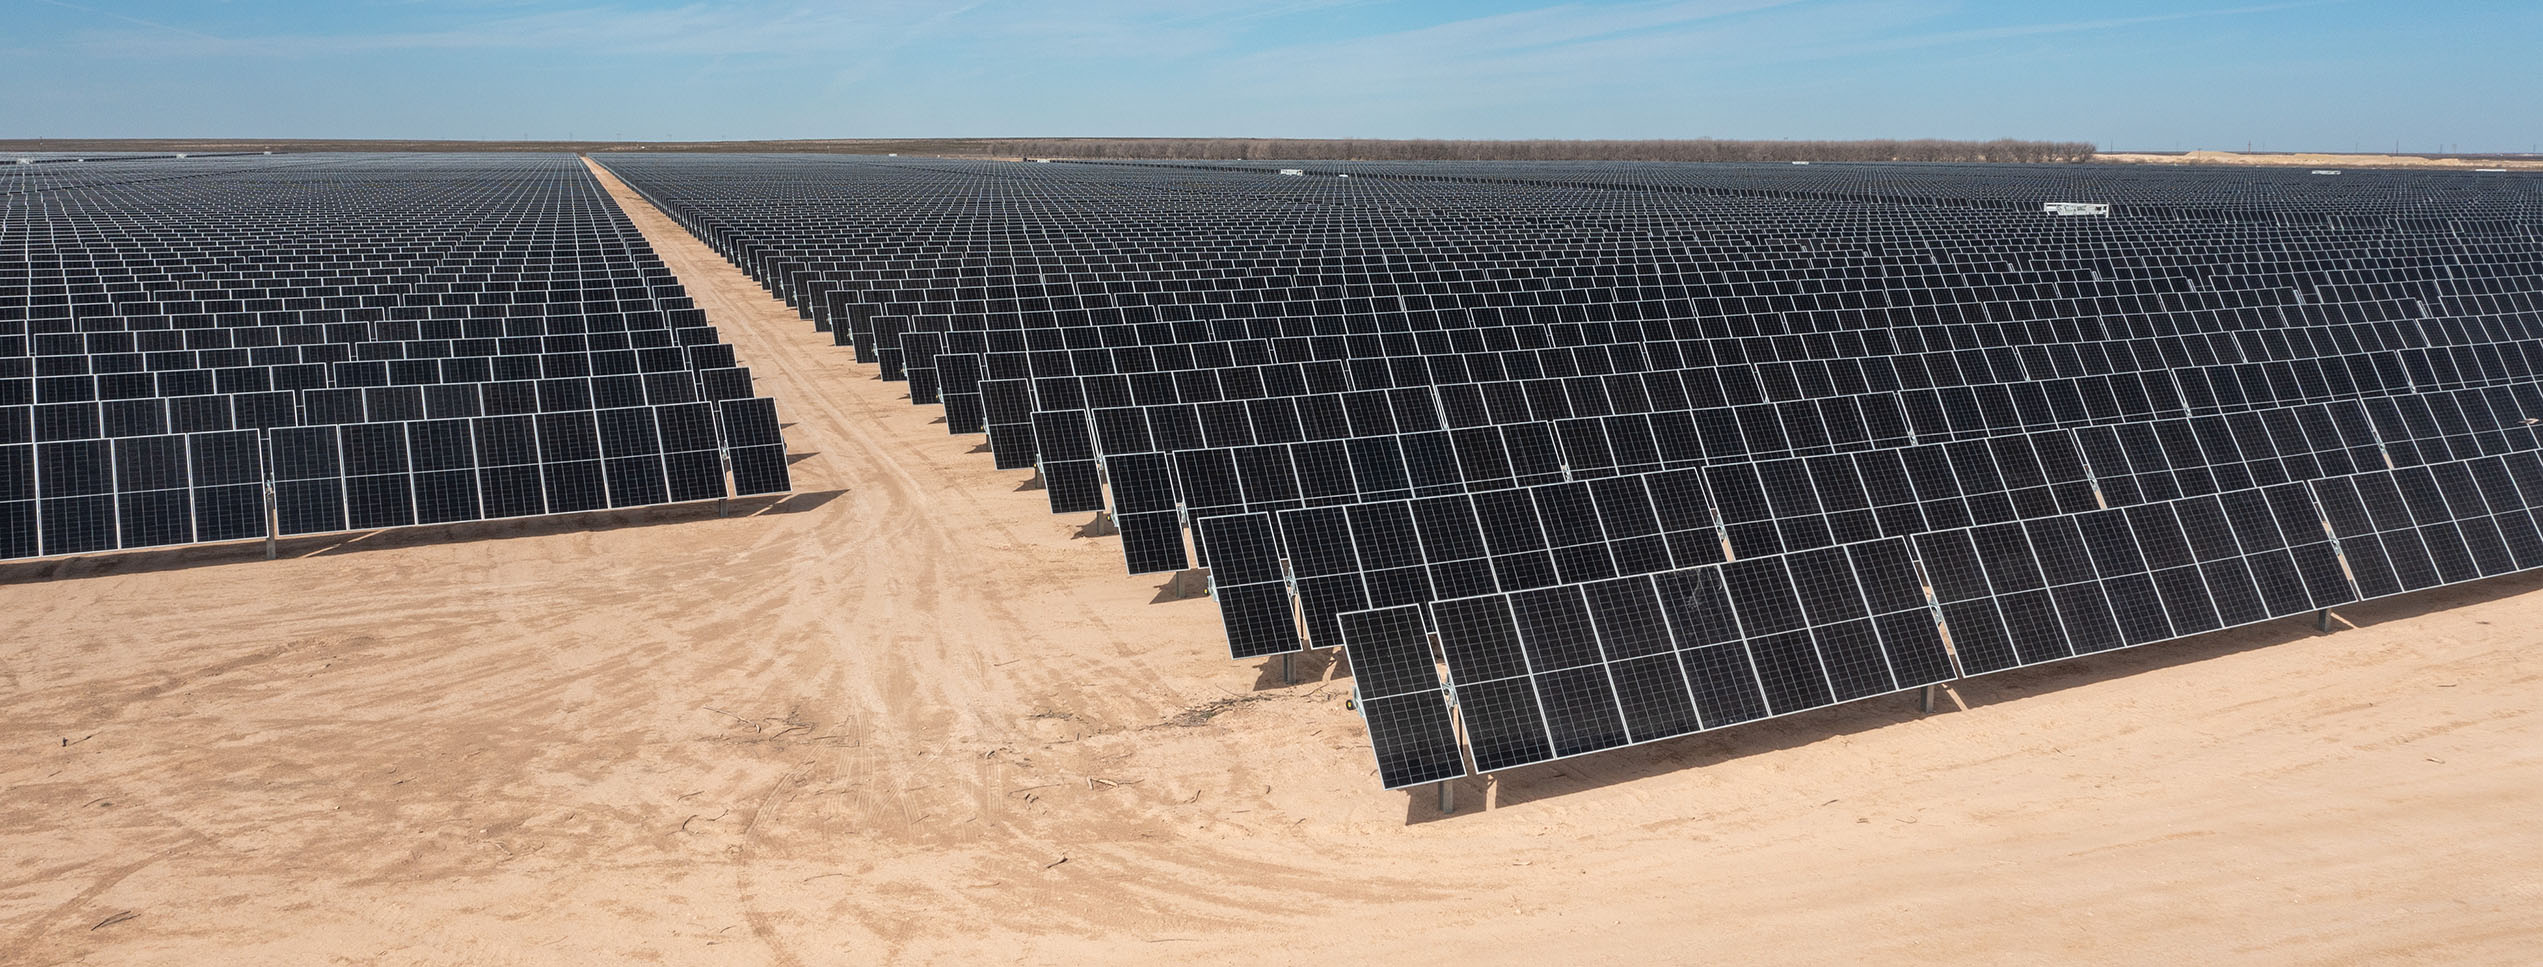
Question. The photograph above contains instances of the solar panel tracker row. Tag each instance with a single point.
(1574, 668)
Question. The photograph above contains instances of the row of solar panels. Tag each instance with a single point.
(241, 408)
(1638, 273)
(86, 496)
(2046, 348)
(154, 274)
(127, 377)
(1640, 289)
(1892, 296)
(1544, 674)
(1299, 338)
(1097, 275)
(1900, 301)
(1260, 314)
(2257, 192)
(151, 316)
(1713, 372)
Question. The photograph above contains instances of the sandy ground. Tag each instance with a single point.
(908, 716)
(2335, 161)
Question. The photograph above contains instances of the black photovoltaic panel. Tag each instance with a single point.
(964, 412)
(693, 468)
(1399, 694)
(228, 485)
(19, 536)
(308, 480)
(758, 453)
(1324, 564)
(508, 466)
(1154, 542)
(569, 462)
(445, 466)
(1073, 485)
(1068, 463)
(1151, 527)
(378, 489)
(153, 506)
(1251, 585)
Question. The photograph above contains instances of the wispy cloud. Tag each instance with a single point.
(1580, 49)
(135, 21)
(708, 29)
(1374, 68)
(750, 27)
(1540, 28)
(1582, 43)
(2012, 31)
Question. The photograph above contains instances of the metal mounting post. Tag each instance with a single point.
(1926, 704)
(272, 522)
(2322, 620)
(1191, 582)
(1102, 526)
(1288, 671)
(1447, 796)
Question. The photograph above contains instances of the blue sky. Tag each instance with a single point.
(2310, 75)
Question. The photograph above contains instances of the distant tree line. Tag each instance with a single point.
(1700, 149)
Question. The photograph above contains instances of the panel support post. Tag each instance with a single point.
(1447, 796)
(2322, 620)
(1926, 703)
(1191, 582)
(272, 523)
(1102, 526)
(1288, 670)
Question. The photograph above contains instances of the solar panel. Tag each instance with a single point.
(1398, 691)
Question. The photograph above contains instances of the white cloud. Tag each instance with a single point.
(1098, 28)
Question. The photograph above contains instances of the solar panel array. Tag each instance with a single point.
(2457, 202)
(377, 340)
(1573, 456)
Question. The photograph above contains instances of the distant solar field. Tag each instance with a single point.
(222, 348)
(1577, 456)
